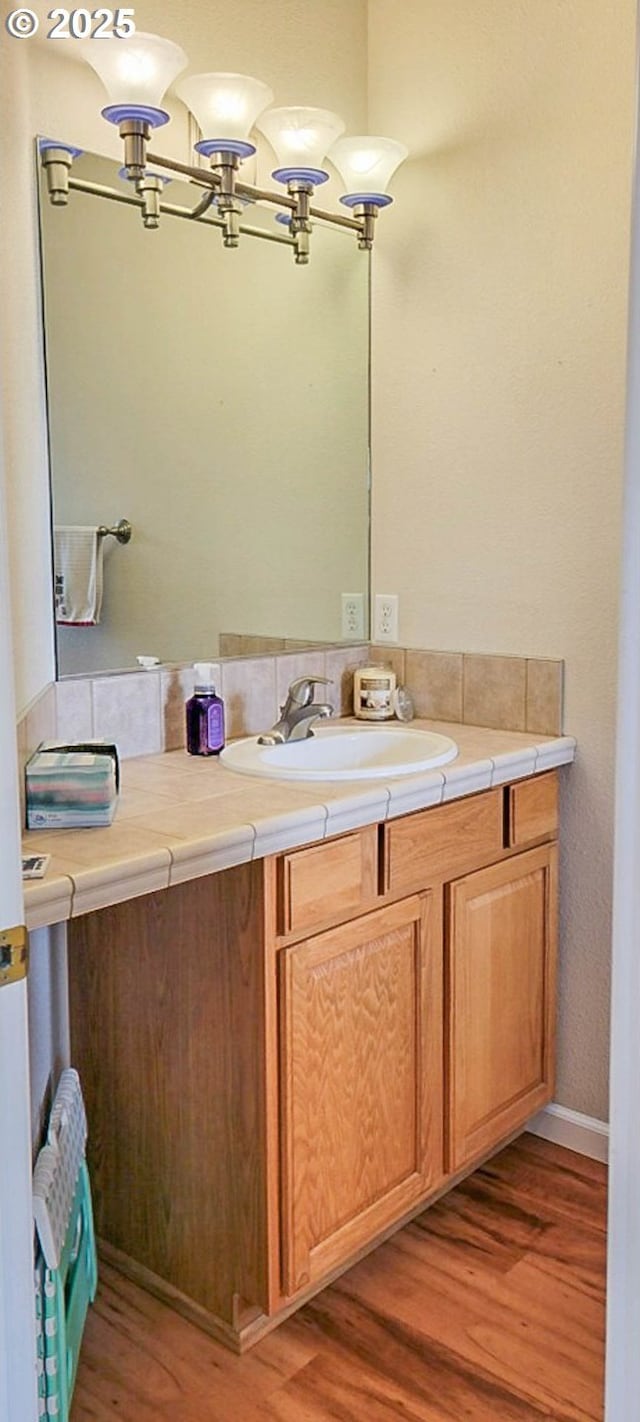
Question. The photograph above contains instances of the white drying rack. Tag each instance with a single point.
(58, 1167)
(64, 1223)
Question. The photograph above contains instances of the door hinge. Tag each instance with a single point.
(14, 954)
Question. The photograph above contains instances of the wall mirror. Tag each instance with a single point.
(218, 400)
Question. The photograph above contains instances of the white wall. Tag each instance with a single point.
(17, 1325)
(308, 52)
(23, 414)
(500, 290)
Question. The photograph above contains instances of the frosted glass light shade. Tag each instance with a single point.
(366, 165)
(137, 71)
(224, 105)
(300, 138)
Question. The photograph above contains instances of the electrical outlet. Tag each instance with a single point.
(353, 616)
(385, 628)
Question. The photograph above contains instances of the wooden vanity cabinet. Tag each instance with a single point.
(360, 1082)
(500, 1000)
(284, 1061)
(168, 1031)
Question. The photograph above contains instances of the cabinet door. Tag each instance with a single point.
(500, 990)
(361, 1081)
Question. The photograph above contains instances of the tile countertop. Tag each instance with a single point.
(182, 816)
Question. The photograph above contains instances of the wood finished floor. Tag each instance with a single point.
(488, 1308)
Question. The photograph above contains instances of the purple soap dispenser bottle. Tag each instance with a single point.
(205, 714)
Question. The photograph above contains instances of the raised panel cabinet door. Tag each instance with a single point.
(361, 1082)
(500, 1000)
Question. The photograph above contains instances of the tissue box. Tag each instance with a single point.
(72, 786)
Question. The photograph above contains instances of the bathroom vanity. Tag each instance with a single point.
(285, 1060)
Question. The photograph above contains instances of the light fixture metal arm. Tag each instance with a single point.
(135, 133)
(203, 176)
(279, 200)
(204, 205)
(57, 164)
(82, 185)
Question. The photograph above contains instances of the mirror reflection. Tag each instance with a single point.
(218, 401)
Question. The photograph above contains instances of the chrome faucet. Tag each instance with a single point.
(298, 713)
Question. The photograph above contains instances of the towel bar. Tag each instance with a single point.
(122, 531)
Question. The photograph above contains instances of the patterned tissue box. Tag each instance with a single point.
(72, 786)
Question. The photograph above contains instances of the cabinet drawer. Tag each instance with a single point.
(328, 881)
(443, 842)
(533, 810)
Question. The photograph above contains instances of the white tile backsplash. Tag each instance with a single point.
(249, 694)
(126, 709)
(74, 710)
(292, 665)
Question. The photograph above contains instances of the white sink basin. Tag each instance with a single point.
(337, 753)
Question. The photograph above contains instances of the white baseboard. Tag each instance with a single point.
(573, 1130)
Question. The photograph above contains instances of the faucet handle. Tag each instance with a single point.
(301, 691)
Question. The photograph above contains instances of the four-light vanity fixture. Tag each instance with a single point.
(137, 71)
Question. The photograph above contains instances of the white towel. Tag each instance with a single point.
(78, 556)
